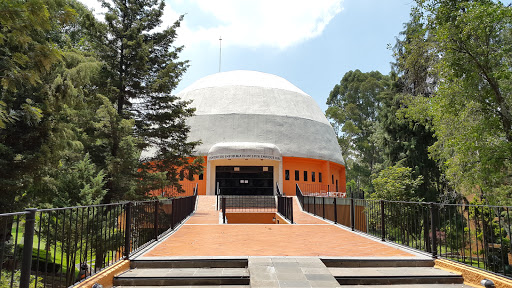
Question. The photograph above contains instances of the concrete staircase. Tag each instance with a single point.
(185, 273)
(391, 273)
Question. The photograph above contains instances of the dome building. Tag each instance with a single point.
(258, 130)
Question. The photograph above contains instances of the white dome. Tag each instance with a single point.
(249, 106)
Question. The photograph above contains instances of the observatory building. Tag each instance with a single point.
(258, 131)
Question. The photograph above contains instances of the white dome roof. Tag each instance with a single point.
(250, 106)
(251, 92)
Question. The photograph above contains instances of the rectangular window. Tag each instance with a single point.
(332, 176)
(305, 175)
(320, 177)
(190, 175)
(296, 175)
(312, 176)
(286, 174)
(201, 176)
(182, 175)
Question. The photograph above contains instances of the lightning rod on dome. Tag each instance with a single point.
(220, 51)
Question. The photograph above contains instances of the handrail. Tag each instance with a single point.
(278, 191)
(300, 196)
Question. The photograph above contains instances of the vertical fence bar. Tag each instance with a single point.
(382, 221)
(128, 222)
(156, 219)
(323, 207)
(433, 230)
(352, 214)
(223, 210)
(335, 211)
(26, 261)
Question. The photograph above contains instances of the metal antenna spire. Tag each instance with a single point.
(220, 51)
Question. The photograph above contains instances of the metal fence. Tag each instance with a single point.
(284, 205)
(476, 235)
(59, 247)
(248, 203)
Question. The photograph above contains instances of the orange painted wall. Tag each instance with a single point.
(201, 183)
(328, 169)
(330, 173)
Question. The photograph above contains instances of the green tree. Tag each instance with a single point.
(142, 68)
(403, 140)
(397, 184)
(353, 108)
(470, 110)
(34, 142)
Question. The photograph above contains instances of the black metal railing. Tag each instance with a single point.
(318, 189)
(248, 203)
(59, 247)
(284, 205)
(476, 235)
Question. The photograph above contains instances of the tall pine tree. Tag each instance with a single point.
(142, 70)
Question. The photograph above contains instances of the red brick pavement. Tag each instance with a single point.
(201, 235)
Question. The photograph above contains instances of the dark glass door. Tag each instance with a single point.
(245, 180)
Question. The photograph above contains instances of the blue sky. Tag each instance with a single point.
(312, 44)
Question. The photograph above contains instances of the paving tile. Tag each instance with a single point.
(318, 277)
(294, 283)
(264, 284)
(290, 276)
(325, 284)
(315, 270)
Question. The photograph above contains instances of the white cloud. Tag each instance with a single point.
(253, 23)
(250, 23)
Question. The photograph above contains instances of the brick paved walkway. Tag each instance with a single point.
(201, 235)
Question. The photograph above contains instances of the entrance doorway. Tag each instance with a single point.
(245, 180)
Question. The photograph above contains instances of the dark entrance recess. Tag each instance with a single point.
(245, 180)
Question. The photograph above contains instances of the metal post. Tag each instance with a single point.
(352, 214)
(223, 210)
(382, 221)
(26, 261)
(172, 213)
(217, 193)
(314, 205)
(428, 247)
(128, 221)
(335, 211)
(156, 219)
(433, 230)
(323, 207)
(291, 210)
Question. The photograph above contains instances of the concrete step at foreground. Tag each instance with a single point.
(410, 286)
(394, 275)
(183, 277)
(202, 286)
(185, 273)
(189, 263)
(346, 263)
(391, 272)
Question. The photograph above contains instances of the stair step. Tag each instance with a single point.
(389, 272)
(188, 286)
(390, 275)
(183, 277)
(378, 262)
(393, 280)
(189, 263)
(408, 286)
